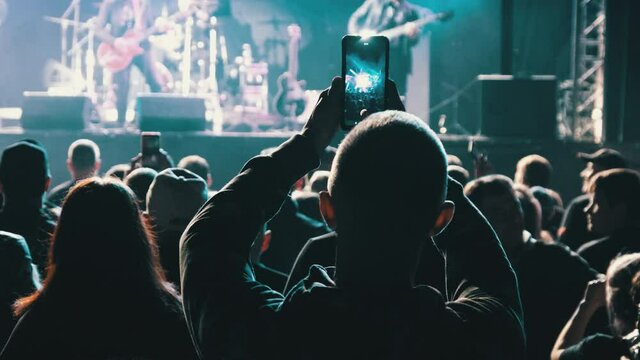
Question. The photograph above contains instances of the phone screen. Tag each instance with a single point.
(150, 143)
(365, 64)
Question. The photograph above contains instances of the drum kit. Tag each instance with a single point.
(191, 58)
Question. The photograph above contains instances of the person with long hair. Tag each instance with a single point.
(619, 293)
(105, 295)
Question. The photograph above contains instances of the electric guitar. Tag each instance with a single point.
(290, 98)
(401, 30)
(116, 59)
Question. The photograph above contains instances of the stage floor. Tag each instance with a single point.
(227, 152)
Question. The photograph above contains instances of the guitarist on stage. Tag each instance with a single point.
(374, 16)
(115, 19)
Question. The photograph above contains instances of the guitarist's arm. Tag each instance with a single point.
(357, 19)
(414, 13)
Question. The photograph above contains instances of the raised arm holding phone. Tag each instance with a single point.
(371, 307)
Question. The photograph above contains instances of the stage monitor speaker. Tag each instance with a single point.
(504, 106)
(42, 111)
(170, 112)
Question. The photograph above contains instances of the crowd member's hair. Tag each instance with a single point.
(197, 165)
(139, 181)
(454, 160)
(24, 170)
(83, 155)
(401, 186)
(533, 170)
(319, 181)
(490, 186)
(118, 171)
(458, 173)
(101, 243)
(550, 206)
(619, 186)
(623, 292)
(531, 210)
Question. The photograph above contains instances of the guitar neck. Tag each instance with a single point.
(400, 30)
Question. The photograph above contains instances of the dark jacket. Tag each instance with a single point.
(36, 225)
(599, 253)
(16, 279)
(552, 281)
(87, 322)
(58, 193)
(231, 315)
(321, 251)
(290, 229)
(575, 232)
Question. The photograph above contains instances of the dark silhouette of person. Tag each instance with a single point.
(24, 180)
(139, 181)
(552, 279)
(533, 170)
(18, 278)
(614, 211)
(199, 166)
(174, 197)
(619, 293)
(105, 295)
(370, 308)
(573, 230)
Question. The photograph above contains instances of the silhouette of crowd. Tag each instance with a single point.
(385, 247)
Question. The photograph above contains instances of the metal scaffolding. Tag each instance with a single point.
(582, 96)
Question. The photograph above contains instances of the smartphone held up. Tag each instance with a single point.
(365, 70)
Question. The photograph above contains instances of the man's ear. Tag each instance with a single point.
(327, 210)
(97, 167)
(447, 209)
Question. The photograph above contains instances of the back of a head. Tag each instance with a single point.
(24, 170)
(197, 165)
(619, 186)
(623, 293)
(84, 155)
(101, 235)
(490, 187)
(139, 181)
(533, 170)
(388, 181)
(118, 171)
(454, 160)
(174, 197)
(319, 181)
(458, 173)
(531, 209)
(496, 197)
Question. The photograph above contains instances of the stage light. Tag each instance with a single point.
(363, 82)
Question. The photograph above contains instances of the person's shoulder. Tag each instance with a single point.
(579, 202)
(593, 246)
(13, 245)
(65, 186)
(552, 249)
(330, 238)
(561, 256)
